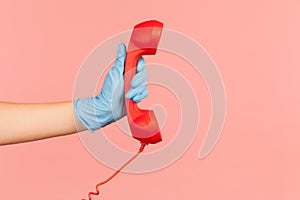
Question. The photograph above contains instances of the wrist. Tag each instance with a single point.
(86, 112)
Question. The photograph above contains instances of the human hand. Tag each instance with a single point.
(109, 105)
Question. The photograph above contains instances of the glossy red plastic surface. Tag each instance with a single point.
(143, 41)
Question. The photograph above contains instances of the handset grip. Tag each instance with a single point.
(132, 109)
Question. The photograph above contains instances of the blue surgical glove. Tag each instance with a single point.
(109, 105)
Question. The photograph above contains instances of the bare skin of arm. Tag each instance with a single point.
(24, 122)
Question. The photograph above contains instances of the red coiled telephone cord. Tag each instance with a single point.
(118, 171)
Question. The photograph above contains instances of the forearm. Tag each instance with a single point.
(29, 122)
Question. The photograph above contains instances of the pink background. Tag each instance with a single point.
(255, 45)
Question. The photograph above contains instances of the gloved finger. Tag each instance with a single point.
(120, 59)
(139, 79)
(141, 96)
(140, 64)
(141, 75)
(136, 91)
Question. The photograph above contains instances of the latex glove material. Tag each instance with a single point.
(109, 105)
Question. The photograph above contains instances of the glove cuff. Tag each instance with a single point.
(85, 111)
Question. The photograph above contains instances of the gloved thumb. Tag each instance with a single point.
(120, 59)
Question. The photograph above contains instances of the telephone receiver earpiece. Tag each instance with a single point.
(143, 41)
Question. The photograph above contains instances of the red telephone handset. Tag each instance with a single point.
(143, 41)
